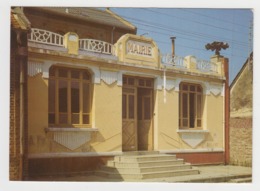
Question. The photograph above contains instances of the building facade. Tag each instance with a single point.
(96, 90)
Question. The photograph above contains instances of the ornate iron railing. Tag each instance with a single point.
(96, 46)
(45, 37)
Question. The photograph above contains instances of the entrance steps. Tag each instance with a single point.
(145, 165)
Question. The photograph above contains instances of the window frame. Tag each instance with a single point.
(69, 80)
(197, 96)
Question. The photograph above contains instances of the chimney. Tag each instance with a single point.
(173, 45)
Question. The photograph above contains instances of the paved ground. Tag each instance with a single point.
(219, 173)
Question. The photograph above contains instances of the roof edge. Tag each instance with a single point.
(241, 70)
(122, 20)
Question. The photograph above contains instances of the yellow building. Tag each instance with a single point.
(96, 90)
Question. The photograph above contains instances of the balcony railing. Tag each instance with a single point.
(45, 37)
(51, 38)
(177, 61)
(182, 62)
(206, 66)
(98, 46)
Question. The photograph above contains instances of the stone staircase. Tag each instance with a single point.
(133, 166)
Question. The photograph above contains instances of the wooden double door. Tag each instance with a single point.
(137, 114)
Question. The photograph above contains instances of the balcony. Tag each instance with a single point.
(190, 63)
(54, 41)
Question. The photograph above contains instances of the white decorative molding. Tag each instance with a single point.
(170, 84)
(215, 89)
(177, 84)
(193, 137)
(46, 68)
(96, 76)
(72, 139)
(109, 77)
(34, 68)
(120, 78)
(158, 83)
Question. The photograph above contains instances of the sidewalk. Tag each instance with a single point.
(210, 174)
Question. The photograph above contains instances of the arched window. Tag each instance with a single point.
(190, 106)
(69, 97)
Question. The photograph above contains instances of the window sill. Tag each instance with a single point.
(69, 129)
(193, 137)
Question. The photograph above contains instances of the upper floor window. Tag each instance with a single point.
(69, 97)
(190, 106)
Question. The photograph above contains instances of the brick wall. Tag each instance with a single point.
(241, 141)
(15, 160)
(18, 163)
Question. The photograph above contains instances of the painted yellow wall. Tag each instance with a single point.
(37, 113)
(168, 125)
(108, 117)
(167, 120)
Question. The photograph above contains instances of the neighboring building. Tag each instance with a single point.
(96, 90)
(241, 102)
(18, 93)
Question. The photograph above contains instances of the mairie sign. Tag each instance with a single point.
(139, 48)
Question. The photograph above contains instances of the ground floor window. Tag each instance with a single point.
(190, 106)
(69, 97)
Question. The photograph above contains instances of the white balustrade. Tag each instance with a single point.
(181, 62)
(45, 37)
(176, 61)
(96, 46)
(206, 66)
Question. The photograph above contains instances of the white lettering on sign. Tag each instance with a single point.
(138, 48)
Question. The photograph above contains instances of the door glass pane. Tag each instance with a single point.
(185, 122)
(149, 83)
(75, 74)
(184, 105)
(185, 87)
(51, 95)
(86, 75)
(63, 118)
(51, 118)
(139, 106)
(86, 98)
(147, 108)
(124, 107)
(63, 97)
(131, 81)
(63, 73)
(86, 119)
(199, 123)
(74, 97)
(75, 118)
(131, 107)
(192, 110)
(141, 82)
(199, 106)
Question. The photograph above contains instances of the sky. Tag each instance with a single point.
(194, 28)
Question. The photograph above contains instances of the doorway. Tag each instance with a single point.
(137, 114)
